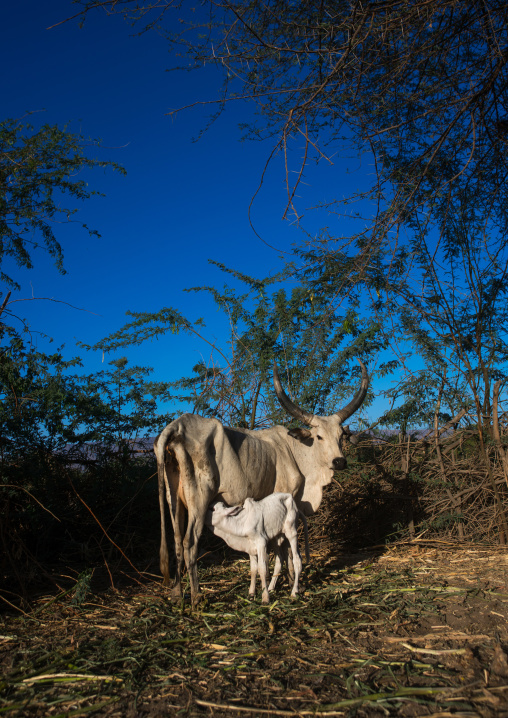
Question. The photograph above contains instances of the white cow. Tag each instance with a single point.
(199, 460)
(255, 528)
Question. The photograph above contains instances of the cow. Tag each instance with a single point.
(255, 528)
(199, 460)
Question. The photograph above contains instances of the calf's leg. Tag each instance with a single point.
(253, 574)
(278, 563)
(263, 570)
(297, 561)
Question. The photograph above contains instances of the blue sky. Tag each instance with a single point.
(182, 202)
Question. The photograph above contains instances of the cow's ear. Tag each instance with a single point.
(300, 434)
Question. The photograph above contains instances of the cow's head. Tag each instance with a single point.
(325, 432)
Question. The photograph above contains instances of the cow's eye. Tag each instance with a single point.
(319, 437)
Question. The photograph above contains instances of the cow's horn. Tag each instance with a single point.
(358, 398)
(286, 402)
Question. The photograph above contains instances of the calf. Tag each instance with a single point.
(256, 527)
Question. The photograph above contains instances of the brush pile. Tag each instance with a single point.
(449, 486)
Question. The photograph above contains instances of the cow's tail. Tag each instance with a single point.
(306, 532)
(159, 447)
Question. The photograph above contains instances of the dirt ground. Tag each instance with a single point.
(406, 630)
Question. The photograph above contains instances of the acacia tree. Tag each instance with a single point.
(314, 347)
(452, 308)
(37, 168)
(45, 409)
(421, 87)
(419, 90)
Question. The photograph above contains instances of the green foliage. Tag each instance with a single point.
(146, 326)
(315, 348)
(67, 442)
(414, 402)
(440, 300)
(43, 405)
(417, 91)
(38, 168)
(82, 589)
(451, 308)
(118, 405)
(35, 395)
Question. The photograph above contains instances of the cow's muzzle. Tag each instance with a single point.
(339, 463)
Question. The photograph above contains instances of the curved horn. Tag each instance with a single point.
(358, 398)
(286, 402)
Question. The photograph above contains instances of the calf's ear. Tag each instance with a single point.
(232, 510)
(300, 434)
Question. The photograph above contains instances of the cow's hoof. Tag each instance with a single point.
(197, 599)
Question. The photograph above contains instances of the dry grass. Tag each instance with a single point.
(409, 628)
(413, 629)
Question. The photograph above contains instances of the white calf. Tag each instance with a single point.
(256, 527)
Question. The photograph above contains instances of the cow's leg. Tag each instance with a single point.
(278, 563)
(169, 481)
(177, 511)
(285, 554)
(178, 530)
(190, 549)
(198, 486)
(263, 570)
(253, 574)
(163, 553)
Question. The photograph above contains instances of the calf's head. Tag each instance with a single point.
(218, 510)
